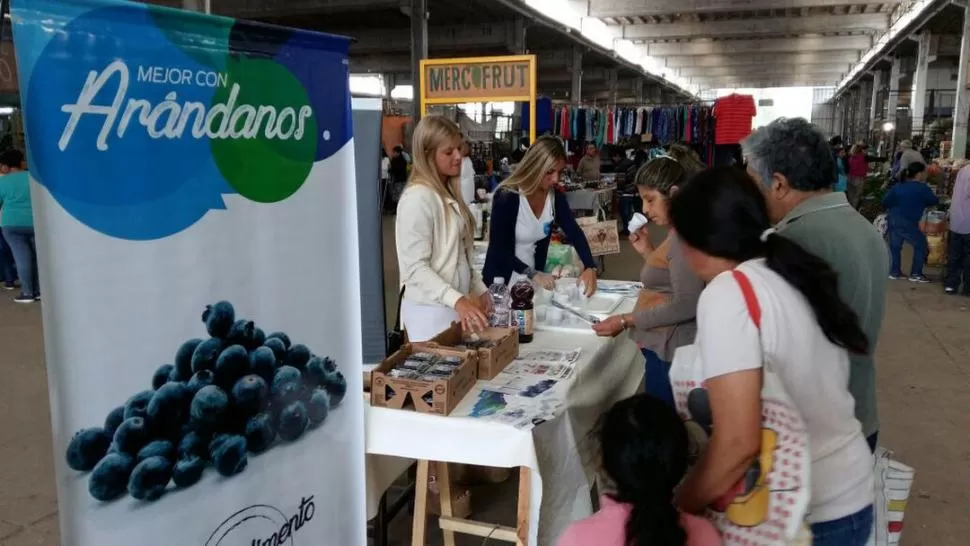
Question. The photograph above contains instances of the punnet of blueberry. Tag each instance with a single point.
(235, 392)
(109, 479)
(150, 478)
(86, 448)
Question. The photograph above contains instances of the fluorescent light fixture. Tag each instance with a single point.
(402, 92)
(6, 110)
(888, 126)
(367, 84)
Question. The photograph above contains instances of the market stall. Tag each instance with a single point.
(544, 435)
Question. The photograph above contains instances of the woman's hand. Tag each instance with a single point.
(544, 280)
(485, 303)
(612, 326)
(471, 316)
(588, 279)
(641, 241)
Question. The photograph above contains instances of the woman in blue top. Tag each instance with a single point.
(523, 210)
(904, 204)
(17, 222)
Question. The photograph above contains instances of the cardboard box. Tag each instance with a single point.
(436, 397)
(491, 360)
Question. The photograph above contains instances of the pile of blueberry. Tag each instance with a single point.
(233, 393)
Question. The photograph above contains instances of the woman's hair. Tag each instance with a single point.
(643, 452)
(661, 174)
(856, 148)
(687, 157)
(913, 169)
(541, 157)
(722, 213)
(431, 133)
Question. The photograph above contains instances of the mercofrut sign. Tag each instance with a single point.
(479, 80)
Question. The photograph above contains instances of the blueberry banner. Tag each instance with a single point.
(195, 210)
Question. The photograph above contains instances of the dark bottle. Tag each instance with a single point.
(523, 311)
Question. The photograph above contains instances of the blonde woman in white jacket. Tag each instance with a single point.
(434, 232)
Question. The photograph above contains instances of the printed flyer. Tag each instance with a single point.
(195, 207)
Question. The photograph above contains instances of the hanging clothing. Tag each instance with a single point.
(734, 114)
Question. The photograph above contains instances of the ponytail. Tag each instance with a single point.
(816, 280)
(653, 522)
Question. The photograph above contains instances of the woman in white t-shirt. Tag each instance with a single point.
(806, 332)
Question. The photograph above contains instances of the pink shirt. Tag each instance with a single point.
(607, 528)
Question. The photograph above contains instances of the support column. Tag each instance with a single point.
(893, 103)
(961, 112)
(874, 104)
(612, 82)
(861, 124)
(419, 51)
(638, 90)
(920, 75)
(576, 67)
(390, 82)
(517, 43)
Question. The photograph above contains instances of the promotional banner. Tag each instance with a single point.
(195, 210)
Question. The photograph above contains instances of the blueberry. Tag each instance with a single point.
(297, 356)
(336, 386)
(137, 406)
(260, 432)
(218, 318)
(259, 337)
(206, 354)
(318, 407)
(162, 375)
(86, 448)
(250, 395)
(262, 362)
(202, 378)
(241, 333)
(168, 409)
(194, 444)
(229, 455)
(287, 384)
(188, 471)
(280, 336)
(315, 371)
(132, 435)
(183, 359)
(113, 421)
(109, 480)
(293, 421)
(277, 346)
(156, 448)
(209, 406)
(150, 478)
(232, 364)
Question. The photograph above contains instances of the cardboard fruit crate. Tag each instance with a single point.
(491, 360)
(436, 397)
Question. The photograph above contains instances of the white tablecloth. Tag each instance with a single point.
(556, 451)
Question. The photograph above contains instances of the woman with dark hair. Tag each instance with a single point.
(904, 204)
(665, 320)
(643, 455)
(806, 332)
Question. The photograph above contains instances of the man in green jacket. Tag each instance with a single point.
(796, 168)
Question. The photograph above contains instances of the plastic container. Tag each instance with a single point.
(501, 302)
(523, 310)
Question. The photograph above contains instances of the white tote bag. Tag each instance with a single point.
(768, 507)
(893, 483)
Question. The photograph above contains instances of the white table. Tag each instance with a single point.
(608, 370)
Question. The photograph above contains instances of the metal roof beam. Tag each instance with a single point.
(281, 8)
(737, 47)
(762, 26)
(753, 74)
(822, 57)
(640, 8)
(460, 37)
(777, 80)
(773, 69)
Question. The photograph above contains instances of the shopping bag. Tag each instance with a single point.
(603, 236)
(768, 507)
(893, 483)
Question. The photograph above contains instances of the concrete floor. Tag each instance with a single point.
(924, 389)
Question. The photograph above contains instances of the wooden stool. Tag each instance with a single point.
(519, 535)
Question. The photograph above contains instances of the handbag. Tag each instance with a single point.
(769, 505)
(397, 336)
(893, 483)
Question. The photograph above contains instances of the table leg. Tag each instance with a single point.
(444, 492)
(420, 505)
(524, 510)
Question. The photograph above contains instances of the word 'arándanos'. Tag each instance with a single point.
(478, 79)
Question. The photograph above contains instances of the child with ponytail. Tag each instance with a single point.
(643, 454)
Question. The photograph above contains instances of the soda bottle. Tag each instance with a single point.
(500, 304)
(523, 310)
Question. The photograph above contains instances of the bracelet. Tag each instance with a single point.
(623, 321)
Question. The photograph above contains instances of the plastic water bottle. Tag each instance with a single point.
(501, 302)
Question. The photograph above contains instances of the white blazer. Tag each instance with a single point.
(429, 248)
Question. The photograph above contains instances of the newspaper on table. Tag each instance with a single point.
(529, 391)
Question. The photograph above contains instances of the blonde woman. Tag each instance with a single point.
(435, 237)
(523, 210)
